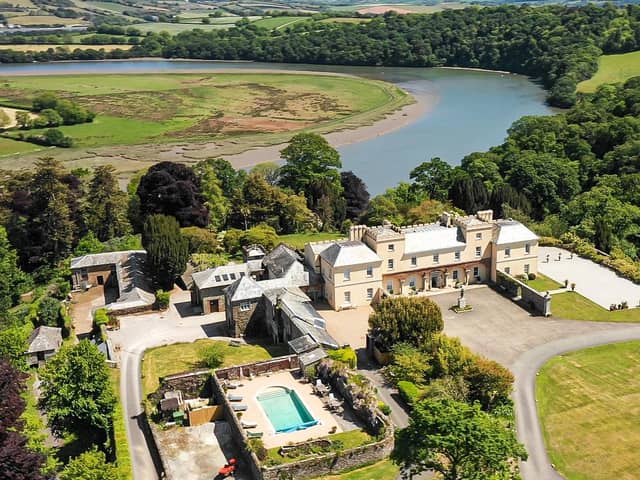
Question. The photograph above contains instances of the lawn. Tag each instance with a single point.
(589, 406)
(120, 431)
(44, 48)
(11, 147)
(181, 357)
(274, 23)
(298, 240)
(169, 108)
(543, 283)
(573, 306)
(384, 470)
(613, 69)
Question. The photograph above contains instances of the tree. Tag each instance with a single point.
(106, 212)
(433, 178)
(413, 320)
(270, 171)
(173, 189)
(23, 119)
(212, 192)
(200, 240)
(13, 344)
(49, 312)
(409, 364)
(167, 250)
(469, 194)
(490, 383)
(459, 441)
(355, 194)
(13, 281)
(91, 465)
(76, 392)
(11, 402)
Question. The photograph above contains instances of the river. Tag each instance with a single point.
(472, 111)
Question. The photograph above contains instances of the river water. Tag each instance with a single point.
(473, 110)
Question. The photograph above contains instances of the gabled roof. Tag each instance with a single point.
(107, 258)
(432, 237)
(279, 260)
(44, 338)
(246, 288)
(220, 276)
(349, 252)
(511, 231)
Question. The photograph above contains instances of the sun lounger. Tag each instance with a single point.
(239, 408)
(234, 398)
(248, 424)
(229, 384)
(254, 434)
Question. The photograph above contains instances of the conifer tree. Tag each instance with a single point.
(167, 249)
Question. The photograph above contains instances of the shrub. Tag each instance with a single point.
(200, 240)
(49, 312)
(532, 276)
(163, 298)
(490, 383)
(409, 392)
(311, 372)
(409, 364)
(213, 355)
(256, 445)
(345, 355)
(384, 408)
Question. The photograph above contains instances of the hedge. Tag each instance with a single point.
(345, 355)
(409, 392)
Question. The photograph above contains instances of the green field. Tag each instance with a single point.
(274, 23)
(173, 28)
(44, 48)
(182, 357)
(345, 20)
(405, 6)
(45, 20)
(589, 406)
(573, 306)
(12, 147)
(613, 69)
(169, 108)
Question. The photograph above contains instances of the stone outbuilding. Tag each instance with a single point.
(43, 343)
(207, 290)
(244, 309)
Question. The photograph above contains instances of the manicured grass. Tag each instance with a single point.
(11, 147)
(384, 470)
(298, 240)
(589, 408)
(351, 439)
(44, 48)
(573, 306)
(166, 108)
(543, 283)
(123, 455)
(181, 357)
(613, 69)
(274, 23)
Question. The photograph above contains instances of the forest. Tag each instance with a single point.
(560, 45)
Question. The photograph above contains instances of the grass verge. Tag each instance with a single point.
(181, 357)
(573, 306)
(123, 454)
(543, 283)
(612, 69)
(590, 414)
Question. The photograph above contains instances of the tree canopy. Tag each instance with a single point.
(167, 249)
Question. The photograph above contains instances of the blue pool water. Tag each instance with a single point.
(285, 410)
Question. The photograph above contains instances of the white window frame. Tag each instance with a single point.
(412, 282)
(507, 270)
(478, 235)
(391, 247)
(436, 258)
(346, 275)
(245, 306)
(457, 255)
(414, 261)
(478, 252)
(454, 275)
(390, 286)
(476, 272)
(507, 252)
(526, 268)
(527, 248)
(390, 264)
(347, 296)
(369, 293)
(369, 271)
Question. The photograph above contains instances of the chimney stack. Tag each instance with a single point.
(485, 215)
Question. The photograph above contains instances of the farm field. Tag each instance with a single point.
(345, 20)
(404, 6)
(44, 48)
(272, 23)
(590, 414)
(170, 108)
(45, 20)
(613, 69)
(174, 28)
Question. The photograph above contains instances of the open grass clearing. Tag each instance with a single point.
(181, 357)
(44, 48)
(542, 283)
(384, 470)
(573, 306)
(589, 408)
(613, 69)
(298, 240)
(166, 108)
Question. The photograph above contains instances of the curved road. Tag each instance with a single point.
(525, 369)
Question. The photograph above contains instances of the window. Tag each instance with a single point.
(507, 252)
(369, 293)
(347, 297)
(225, 277)
(232, 276)
(390, 264)
(507, 270)
(457, 255)
(479, 236)
(390, 286)
(391, 247)
(454, 275)
(347, 274)
(526, 269)
(527, 249)
(476, 272)
(84, 273)
(245, 306)
(436, 258)
(412, 282)
(414, 261)
(478, 251)
(369, 271)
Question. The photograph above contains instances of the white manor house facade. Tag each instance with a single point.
(458, 250)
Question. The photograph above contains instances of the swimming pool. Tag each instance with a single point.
(285, 410)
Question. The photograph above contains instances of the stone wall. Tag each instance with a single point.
(196, 384)
(248, 322)
(526, 296)
(288, 362)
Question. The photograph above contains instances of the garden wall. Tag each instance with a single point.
(288, 362)
(195, 384)
(530, 298)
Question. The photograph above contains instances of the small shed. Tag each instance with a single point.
(311, 357)
(43, 343)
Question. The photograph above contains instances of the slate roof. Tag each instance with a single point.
(302, 344)
(349, 252)
(246, 288)
(44, 338)
(512, 231)
(220, 276)
(279, 260)
(432, 237)
(107, 258)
